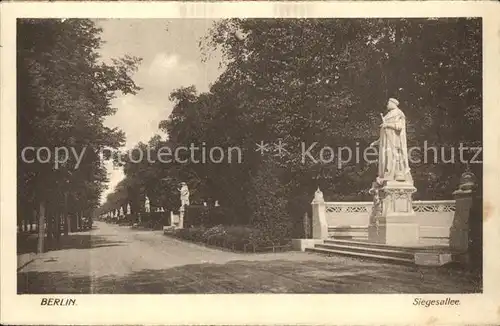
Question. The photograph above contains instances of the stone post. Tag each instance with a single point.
(181, 217)
(319, 225)
(459, 230)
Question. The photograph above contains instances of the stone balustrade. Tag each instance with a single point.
(351, 219)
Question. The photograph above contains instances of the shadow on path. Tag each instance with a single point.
(278, 276)
(72, 241)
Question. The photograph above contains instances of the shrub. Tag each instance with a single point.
(268, 202)
(195, 215)
(220, 216)
(199, 215)
(242, 238)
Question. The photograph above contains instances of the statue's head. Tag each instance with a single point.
(392, 103)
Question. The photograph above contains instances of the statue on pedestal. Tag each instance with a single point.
(147, 206)
(121, 211)
(184, 192)
(392, 220)
(128, 209)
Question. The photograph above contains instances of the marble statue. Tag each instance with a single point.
(128, 209)
(184, 190)
(392, 219)
(121, 210)
(393, 151)
(217, 203)
(147, 206)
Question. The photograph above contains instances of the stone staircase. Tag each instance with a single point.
(428, 255)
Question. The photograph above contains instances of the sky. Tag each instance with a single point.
(171, 58)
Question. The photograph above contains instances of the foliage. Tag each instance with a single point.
(241, 238)
(325, 81)
(64, 94)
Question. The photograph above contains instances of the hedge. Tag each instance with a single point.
(236, 238)
(199, 215)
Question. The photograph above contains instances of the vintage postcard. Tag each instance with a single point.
(250, 163)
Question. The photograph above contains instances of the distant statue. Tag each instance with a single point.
(147, 206)
(128, 209)
(217, 203)
(184, 190)
(393, 150)
(121, 210)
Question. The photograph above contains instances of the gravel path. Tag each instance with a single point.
(114, 259)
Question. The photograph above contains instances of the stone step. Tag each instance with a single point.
(367, 244)
(368, 250)
(361, 255)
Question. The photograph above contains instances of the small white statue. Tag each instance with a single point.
(147, 206)
(128, 209)
(217, 203)
(184, 190)
(121, 210)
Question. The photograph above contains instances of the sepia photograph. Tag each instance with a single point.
(249, 155)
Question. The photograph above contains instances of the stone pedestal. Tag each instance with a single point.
(393, 221)
(181, 216)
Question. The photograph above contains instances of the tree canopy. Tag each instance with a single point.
(64, 93)
(325, 81)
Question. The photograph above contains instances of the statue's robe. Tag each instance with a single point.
(184, 196)
(393, 150)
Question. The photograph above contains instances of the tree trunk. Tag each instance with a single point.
(67, 229)
(50, 226)
(37, 221)
(41, 228)
(57, 229)
(65, 215)
(33, 220)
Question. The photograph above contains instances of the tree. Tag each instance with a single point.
(303, 81)
(64, 94)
